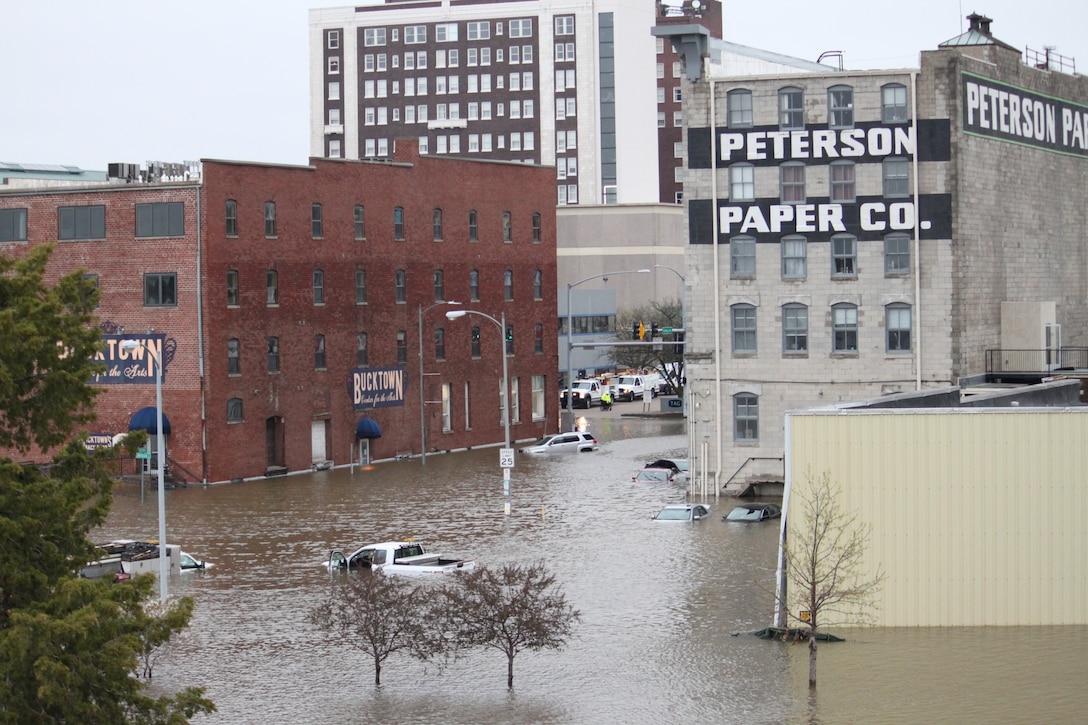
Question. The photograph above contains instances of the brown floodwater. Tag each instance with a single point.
(661, 604)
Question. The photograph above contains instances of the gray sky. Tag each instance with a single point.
(89, 83)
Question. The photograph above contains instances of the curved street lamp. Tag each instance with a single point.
(422, 401)
(130, 345)
(570, 342)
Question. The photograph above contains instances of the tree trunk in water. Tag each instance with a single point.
(377, 671)
(812, 660)
(510, 672)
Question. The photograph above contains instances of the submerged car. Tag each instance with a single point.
(682, 512)
(754, 512)
(572, 442)
(655, 474)
(678, 465)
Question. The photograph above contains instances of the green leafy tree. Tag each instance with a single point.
(68, 646)
(825, 581)
(512, 609)
(380, 615)
(665, 360)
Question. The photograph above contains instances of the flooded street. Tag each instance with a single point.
(660, 602)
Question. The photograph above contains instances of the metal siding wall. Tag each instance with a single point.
(978, 517)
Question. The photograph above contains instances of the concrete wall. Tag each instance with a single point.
(976, 516)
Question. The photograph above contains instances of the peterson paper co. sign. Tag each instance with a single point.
(1004, 112)
(376, 387)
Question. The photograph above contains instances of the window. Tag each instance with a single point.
(270, 218)
(445, 32)
(439, 344)
(840, 107)
(439, 286)
(234, 410)
(447, 413)
(564, 25)
(319, 287)
(360, 350)
(12, 225)
(844, 328)
(473, 226)
(81, 222)
(742, 182)
(794, 329)
(360, 222)
(273, 345)
(479, 30)
(334, 65)
(319, 352)
(474, 347)
(521, 28)
(844, 256)
(234, 362)
(794, 257)
(538, 285)
(893, 103)
(897, 325)
(508, 285)
(509, 339)
(360, 286)
(739, 103)
(792, 178)
(333, 39)
(474, 285)
(538, 338)
(843, 187)
(232, 288)
(437, 224)
(745, 417)
(744, 329)
(399, 289)
(402, 347)
(272, 287)
(334, 91)
(507, 227)
(317, 227)
(373, 36)
(160, 289)
(515, 400)
(742, 257)
(415, 34)
(398, 223)
(791, 109)
(538, 397)
(896, 255)
(896, 172)
(334, 149)
(536, 227)
(231, 216)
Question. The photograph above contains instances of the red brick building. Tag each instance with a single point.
(287, 302)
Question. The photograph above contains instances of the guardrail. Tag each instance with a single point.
(1036, 361)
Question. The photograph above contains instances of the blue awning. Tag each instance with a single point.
(367, 429)
(147, 419)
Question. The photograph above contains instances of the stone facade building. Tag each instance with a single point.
(288, 304)
(855, 234)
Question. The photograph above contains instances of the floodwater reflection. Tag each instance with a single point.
(660, 604)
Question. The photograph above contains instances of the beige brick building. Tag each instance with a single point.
(854, 234)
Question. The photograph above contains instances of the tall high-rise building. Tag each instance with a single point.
(583, 86)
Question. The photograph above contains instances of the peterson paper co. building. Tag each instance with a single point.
(854, 234)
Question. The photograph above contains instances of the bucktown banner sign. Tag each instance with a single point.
(376, 388)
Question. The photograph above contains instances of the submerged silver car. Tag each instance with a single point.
(571, 442)
(754, 512)
(682, 512)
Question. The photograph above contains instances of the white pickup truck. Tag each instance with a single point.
(634, 387)
(398, 557)
(587, 393)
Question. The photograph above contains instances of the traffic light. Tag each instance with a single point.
(653, 331)
(678, 349)
(634, 330)
(641, 331)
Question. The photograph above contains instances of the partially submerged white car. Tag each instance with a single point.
(398, 557)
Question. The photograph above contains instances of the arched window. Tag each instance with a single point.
(508, 284)
(231, 214)
(897, 326)
(844, 328)
(791, 109)
(739, 103)
(360, 222)
(234, 360)
(794, 329)
(437, 224)
(234, 410)
(744, 328)
(893, 103)
(745, 417)
(840, 107)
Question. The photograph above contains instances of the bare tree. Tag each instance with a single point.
(380, 615)
(824, 580)
(512, 609)
(666, 312)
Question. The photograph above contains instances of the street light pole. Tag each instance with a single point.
(422, 397)
(569, 422)
(164, 558)
(501, 324)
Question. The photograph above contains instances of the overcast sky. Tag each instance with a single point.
(89, 83)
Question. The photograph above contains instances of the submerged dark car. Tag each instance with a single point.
(754, 512)
(682, 512)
